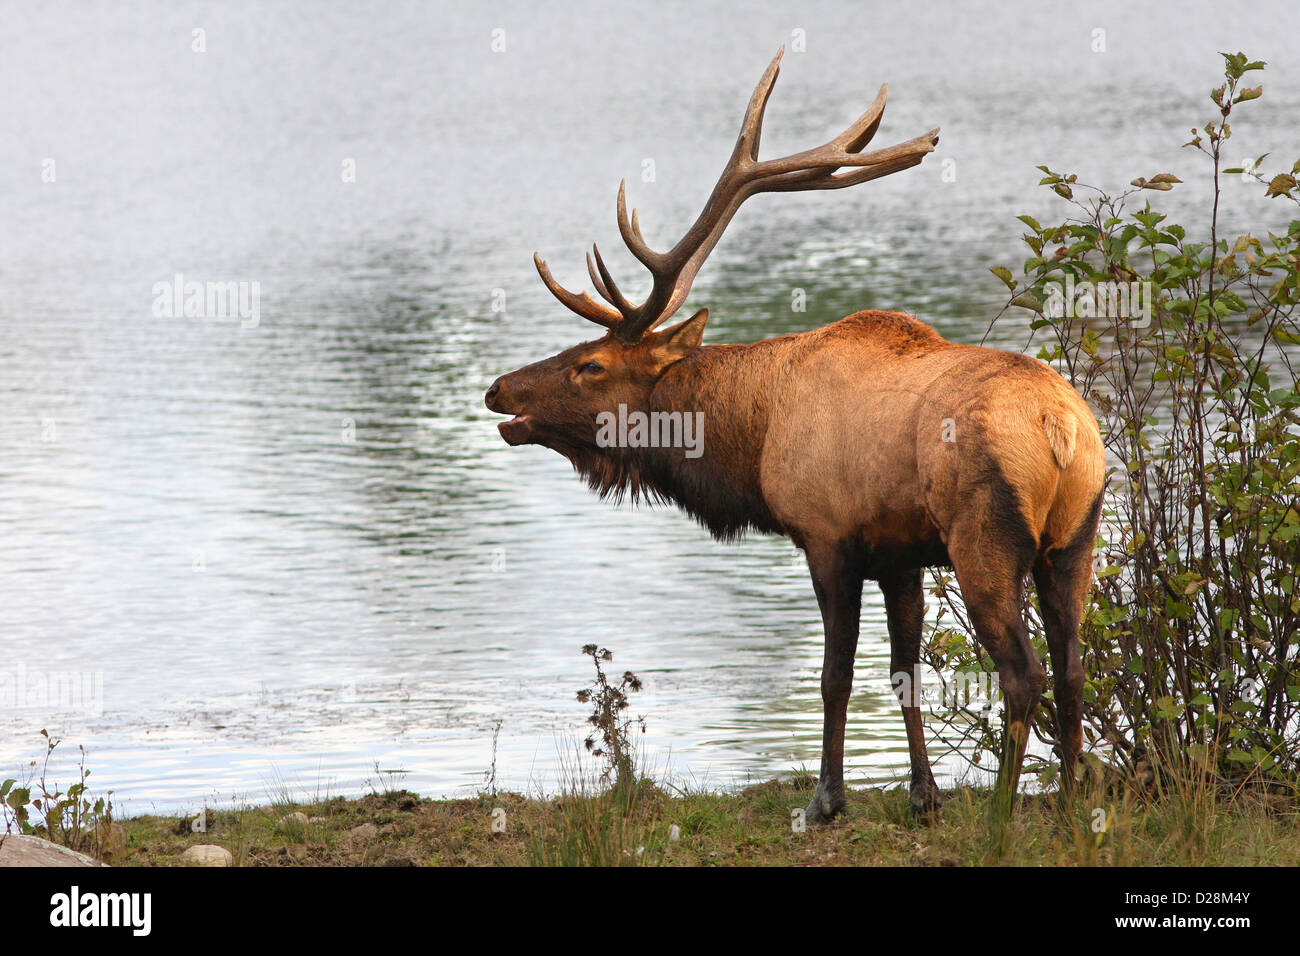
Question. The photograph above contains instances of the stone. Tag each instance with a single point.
(207, 854)
(295, 819)
(20, 850)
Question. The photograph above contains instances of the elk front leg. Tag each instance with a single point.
(837, 580)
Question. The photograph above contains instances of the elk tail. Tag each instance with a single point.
(1060, 430)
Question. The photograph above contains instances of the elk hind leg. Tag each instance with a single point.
(905, 613)
(1062, 577)
(991, 557)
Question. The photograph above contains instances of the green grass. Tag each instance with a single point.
(1194, 826)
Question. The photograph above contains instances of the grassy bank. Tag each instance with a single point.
(747, 828)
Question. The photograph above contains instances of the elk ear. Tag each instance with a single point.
(676, 343)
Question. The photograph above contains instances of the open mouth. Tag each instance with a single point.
(517, 430)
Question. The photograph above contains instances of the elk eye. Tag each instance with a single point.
(590, 368)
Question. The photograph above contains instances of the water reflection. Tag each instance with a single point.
(298, 550)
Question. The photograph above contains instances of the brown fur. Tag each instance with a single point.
(879, 448)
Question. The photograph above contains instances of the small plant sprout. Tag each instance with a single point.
(611, 737)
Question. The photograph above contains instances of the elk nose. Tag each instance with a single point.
(492, 392)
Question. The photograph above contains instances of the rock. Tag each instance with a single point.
(207, 854)
(19, 850)
(366, 831)
(295, 819)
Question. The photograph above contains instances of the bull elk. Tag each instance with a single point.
(878, 447)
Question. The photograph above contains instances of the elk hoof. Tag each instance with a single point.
(823, 808)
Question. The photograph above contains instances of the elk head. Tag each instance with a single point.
(555, 402)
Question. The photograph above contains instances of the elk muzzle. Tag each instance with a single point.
(501, 398)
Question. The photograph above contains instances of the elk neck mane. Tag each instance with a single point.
(732, 386)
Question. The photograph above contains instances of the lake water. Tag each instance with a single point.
(285, 554)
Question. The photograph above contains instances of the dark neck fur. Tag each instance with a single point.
(731, 385)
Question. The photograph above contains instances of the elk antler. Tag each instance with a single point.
(744, 175)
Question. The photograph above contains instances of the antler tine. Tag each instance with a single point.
(751, 130)
(861, 132)
(877, 163)
(891, 160)
(631, 232)
(583, 304)
(596, 279)
(605, 284)
(830, 157)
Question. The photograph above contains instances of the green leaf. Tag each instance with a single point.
(1003, 273)
(1027, 300)
(1234, 64)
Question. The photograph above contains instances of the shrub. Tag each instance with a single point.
(1192, 631)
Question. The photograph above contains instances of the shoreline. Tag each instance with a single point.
(649, 825)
